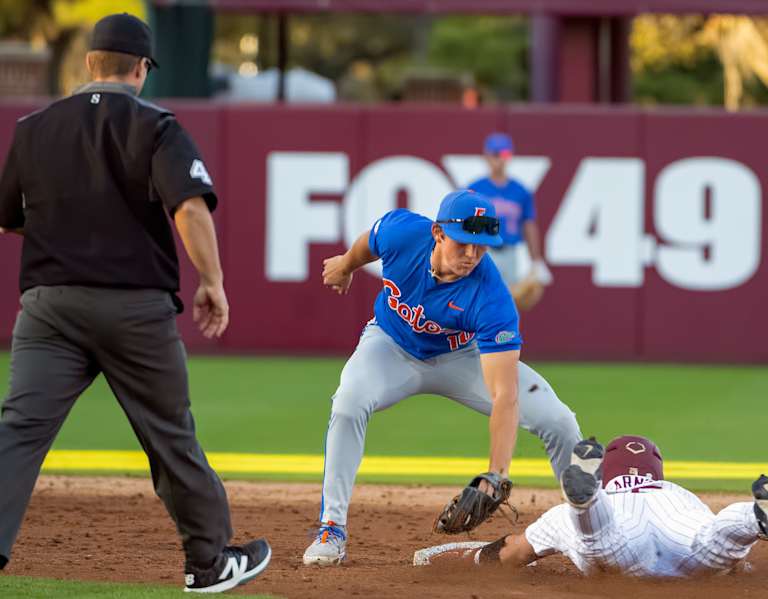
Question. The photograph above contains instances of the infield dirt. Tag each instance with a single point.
(115, 529)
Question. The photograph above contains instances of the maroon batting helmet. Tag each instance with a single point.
(632, 455)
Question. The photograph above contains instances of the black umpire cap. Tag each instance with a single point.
(124, 33)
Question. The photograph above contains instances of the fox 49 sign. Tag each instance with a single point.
(706, 213)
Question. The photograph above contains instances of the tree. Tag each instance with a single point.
(493, 49)
(700, 60)
(741, 44)
(370, 56)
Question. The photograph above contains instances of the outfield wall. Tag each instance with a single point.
(653, 221)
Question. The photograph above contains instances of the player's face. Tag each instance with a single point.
(459, 259)
(497, 163)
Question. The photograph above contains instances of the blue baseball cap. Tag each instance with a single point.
(499, 143)
(460, 205)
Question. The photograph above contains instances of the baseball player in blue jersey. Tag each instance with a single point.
(516, 211)
(444, 324)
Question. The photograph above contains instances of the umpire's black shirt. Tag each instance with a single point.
(90, 179)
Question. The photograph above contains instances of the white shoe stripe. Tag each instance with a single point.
(242, 577)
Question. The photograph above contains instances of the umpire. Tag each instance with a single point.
(90, 182)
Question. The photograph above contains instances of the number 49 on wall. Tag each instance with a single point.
(706, 213)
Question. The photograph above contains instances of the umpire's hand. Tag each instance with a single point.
(210, 310)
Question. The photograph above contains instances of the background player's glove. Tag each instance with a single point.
(541, 273)
(472, 507)
(527, 293)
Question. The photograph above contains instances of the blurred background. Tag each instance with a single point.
(640, 134)
(458, 52)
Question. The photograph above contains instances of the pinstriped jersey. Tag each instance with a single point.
(652, 529)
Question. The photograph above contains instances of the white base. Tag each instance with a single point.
(423, 557)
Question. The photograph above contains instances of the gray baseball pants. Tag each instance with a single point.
(64, 337)
(380, 374)
(505, 259)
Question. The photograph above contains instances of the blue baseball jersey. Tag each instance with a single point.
(428, 318)
(514, 205)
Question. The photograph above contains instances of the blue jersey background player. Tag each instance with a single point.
(444, 324)
(516, 210)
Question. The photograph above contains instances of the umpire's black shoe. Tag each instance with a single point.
(582, 479)
(760, 492)
(234, 566)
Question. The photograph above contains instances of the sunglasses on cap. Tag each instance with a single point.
(476, 224)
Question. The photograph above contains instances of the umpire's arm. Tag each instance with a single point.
(195, 225)
(500, 374)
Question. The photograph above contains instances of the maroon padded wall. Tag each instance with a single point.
(673, 198)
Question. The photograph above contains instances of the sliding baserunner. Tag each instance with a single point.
(620, 514)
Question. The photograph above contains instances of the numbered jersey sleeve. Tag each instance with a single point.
(397, 231)
(497, 323)
(11, 200)
(178, 171)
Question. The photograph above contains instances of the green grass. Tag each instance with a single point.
(25, 587)
(281, 405)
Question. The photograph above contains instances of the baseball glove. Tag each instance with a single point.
(472, 507)
(527, 293)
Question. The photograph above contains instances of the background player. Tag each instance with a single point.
(444, 324)
(634, 522)
(517, 213)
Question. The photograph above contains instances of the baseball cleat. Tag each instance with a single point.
(760, 492)
(329, 547)
(234, 566)
(580, 482)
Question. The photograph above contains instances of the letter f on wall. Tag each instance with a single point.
(293, 221)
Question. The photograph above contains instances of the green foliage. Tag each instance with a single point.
(365, 54)
(19, 18)
(700, 83)
(362, 53)
(369, 56)
(756, 93)
(493, 49)
(671, 64)
(681, 59)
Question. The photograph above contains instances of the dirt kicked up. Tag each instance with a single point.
(115, 529)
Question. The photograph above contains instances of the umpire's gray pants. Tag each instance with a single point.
(64, 337)
(380, 374)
